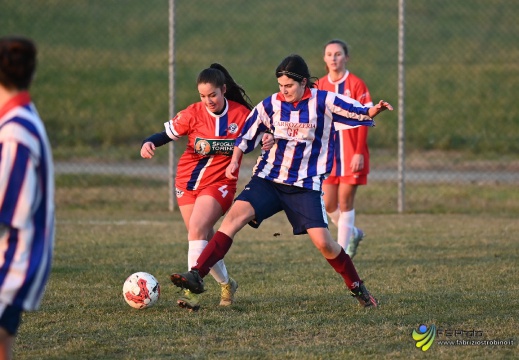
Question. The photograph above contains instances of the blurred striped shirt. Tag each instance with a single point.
(26, 205)
(303, 151)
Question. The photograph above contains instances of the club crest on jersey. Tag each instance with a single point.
(233, 128)
(179, 192)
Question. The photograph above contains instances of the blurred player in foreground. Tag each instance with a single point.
(203, 191)
(289, 176)
(26, 192)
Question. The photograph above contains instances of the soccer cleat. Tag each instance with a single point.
(363, 296)
(189, 301)
(356, 238)
(228, 291)
(190, 280)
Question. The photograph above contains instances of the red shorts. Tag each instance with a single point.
(221, 192)
(349, 179)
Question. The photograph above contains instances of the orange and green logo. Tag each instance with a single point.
(424, 337)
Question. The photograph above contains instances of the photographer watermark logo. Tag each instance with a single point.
(424, 337)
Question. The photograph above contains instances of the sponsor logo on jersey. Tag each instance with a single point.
(214, 146)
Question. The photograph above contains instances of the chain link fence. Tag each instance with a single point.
(102, 86)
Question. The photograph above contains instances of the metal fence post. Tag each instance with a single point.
(401, 112)
(172, 168)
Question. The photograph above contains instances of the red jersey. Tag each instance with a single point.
(351, 141)
(210, 143)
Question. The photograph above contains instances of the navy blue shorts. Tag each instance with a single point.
(10, 319)
(304, 208)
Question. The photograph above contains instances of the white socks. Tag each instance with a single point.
(218, 271)
(345, 228)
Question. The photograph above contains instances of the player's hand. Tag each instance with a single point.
(147, 150)
(378, 108)
(232, 170)
(357, 163)
(267, 141)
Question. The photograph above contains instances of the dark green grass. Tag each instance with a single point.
(454, 271)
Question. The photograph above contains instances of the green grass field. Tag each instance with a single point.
(457, 272)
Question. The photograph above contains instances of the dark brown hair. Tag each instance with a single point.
(17, 62)
(294, 67)
(217, 75)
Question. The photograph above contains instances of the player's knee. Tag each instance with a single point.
(330, 208)
(199, 231)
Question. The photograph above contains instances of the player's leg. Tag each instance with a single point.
(206, 212)
(186, 202)
(199, 213)
(217, 198)
(254, 204)
(342, 264)
(211, 203)
(347, 214)
(6, 345)
(240, 213)
(304, 210)
(331, 198)
(349, 236)
(10, 319)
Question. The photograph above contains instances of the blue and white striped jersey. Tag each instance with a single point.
(26, 205)
(303, 151)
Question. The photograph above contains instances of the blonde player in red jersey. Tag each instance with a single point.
(351, 164)
(203, 191)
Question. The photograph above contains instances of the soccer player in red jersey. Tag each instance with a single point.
(351, 158)
(203, 191)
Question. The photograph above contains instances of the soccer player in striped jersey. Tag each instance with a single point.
(203, 191)
(289, 176)
(351, 159)
(26, 192)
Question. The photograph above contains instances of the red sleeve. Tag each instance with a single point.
(182, 122)
(362, 139)
(362, 95)
(361, 92)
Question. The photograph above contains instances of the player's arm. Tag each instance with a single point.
(152, 142)
(379, 107)
(18, 184)
(234, 165)
(267, 141)
(255, 130)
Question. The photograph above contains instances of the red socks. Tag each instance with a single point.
(220, 244)
(344, 266)
(215, 251)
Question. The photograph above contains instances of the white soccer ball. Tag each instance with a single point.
(141, 290)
